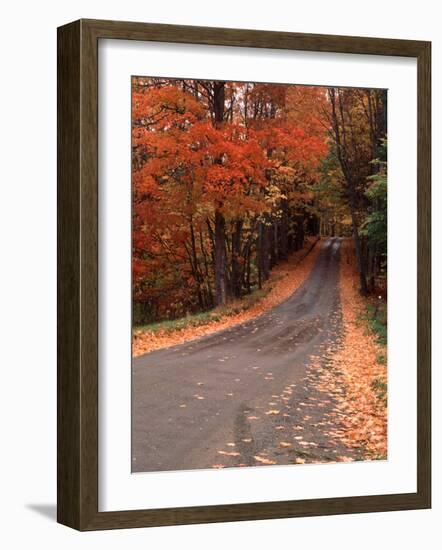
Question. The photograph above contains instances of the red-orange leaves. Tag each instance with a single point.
(188, 165)
(164, 107)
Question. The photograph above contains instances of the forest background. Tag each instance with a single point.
(229, 179)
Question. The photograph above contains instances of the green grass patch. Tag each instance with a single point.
(173, 325)
(376, 318)
(379, 386)
(205, 317)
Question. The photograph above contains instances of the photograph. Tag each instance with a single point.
(259, 274)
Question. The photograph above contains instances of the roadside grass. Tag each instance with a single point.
(205, 317)
(379, 386)
(376, 319)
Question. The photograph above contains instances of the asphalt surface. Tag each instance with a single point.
(244, 396)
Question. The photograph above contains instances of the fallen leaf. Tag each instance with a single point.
(228, 453)
(264, 460)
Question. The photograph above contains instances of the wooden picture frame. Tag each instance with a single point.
(78, 274)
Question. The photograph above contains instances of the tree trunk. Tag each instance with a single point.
(263, 252)
(357, 242)
(220, 260)
(195, 266)
(206, 272)
(299, 235)
(220, 245)
(273, 237)
(283, 231)
(236, 278)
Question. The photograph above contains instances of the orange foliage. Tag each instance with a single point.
(186, 168)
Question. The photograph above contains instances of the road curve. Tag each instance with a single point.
(224, 399)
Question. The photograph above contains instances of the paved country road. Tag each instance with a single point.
(247, 395)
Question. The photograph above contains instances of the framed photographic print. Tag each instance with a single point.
(243, 275)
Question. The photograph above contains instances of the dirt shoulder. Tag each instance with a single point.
(285, 279)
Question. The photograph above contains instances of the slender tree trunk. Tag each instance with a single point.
(273, 230)
(248, 262)
(247, 255)
(357, 242)
(206, 271)
(259, 255)
(220, 245)
(220, 260)
(195, 266)
(263, 252)
(283, 231)
(300, 236)
(236, 278)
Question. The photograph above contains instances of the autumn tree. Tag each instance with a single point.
(357, 120)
